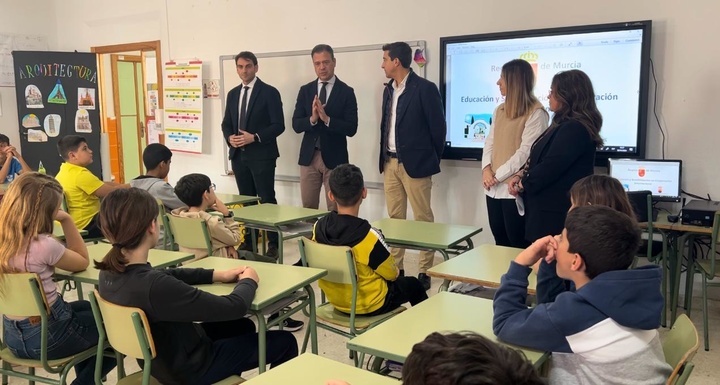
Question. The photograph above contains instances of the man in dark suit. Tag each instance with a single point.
(326, 111)
(411, 143)
(253, 120)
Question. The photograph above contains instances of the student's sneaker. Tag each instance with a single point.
(289, 324)
(272, 251)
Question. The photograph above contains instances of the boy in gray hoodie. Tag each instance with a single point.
(157, 158)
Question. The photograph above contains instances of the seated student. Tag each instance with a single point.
(29, 208)
(464, 358)
(157, 158)
(606, 331)
(591, 190)
(11, 163)
(198, 193)
(380, 289)
(223, 343)
(83, 189)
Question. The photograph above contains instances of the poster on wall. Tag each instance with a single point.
(183, 93)
(56, 97)
(10, 43)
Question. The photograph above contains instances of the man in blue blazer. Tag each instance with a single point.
(411, 143)
(326, 112)
(253, 121)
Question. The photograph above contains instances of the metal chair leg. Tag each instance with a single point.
(705, 314)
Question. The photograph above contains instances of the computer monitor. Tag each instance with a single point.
(661, 177)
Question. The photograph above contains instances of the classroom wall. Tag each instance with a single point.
(683, 49)
(23, 18)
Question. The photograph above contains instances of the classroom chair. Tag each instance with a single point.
(162, 220)
(128, 331)
(709, 269)
(22, 296)
(680, 345)
(340, 265)
(86, 238)
(191, 233)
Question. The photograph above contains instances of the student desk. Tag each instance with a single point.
(234, 199)
(441, 237)
(444, 312)
(58, 231)
(674, 236)
(277, 285)
(310, 369)
(483, 265)
(157, 258)
(285, 220)
(3, 187)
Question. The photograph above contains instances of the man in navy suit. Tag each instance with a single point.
(253, 121)
(411, 143)
(326, 112)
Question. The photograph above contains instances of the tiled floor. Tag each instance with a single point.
(333, 346)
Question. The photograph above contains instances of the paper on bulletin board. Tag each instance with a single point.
(153, 133)
(183, 95)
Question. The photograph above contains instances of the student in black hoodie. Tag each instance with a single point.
(380, 289)
(200, 338)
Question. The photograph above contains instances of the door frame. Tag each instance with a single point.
(135, 59)
(143, 48)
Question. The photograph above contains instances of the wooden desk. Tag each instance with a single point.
(310, 369)
(675, 236)
(483, 265)
(287, 221)
(157, 258)
(234, 199)
(277, 282)
(443, 312)
(441, 237)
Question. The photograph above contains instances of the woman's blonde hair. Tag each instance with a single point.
(519, 84)
(28, 209)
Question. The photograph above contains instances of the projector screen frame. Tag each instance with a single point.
(601, 159)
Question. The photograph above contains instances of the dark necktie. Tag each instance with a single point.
(243, 109)
(323, 93)
(323, 100)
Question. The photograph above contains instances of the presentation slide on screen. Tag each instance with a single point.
(611, 60)
(662, 178)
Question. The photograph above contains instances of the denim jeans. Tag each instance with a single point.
(71, 330)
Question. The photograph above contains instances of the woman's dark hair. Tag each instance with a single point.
(466, 359)
(125, 215)
(574, 91)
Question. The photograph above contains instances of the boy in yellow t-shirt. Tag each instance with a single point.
(82, 188)
(379, 284)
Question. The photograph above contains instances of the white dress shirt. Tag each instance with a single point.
(397, 91)
(249, 94)
(536, 124)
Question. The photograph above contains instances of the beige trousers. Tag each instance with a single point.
(312, 179)
(399, 189)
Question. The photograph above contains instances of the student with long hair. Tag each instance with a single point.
(564, 154)
(223, 343)
(516, 124)
(601, 190)
(31, 204)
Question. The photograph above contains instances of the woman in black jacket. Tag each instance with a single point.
(200, 338)
(564, 154)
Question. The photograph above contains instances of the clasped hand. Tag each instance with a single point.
(543, 248)
(241, 139)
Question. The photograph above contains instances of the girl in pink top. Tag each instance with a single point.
(29, 207)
